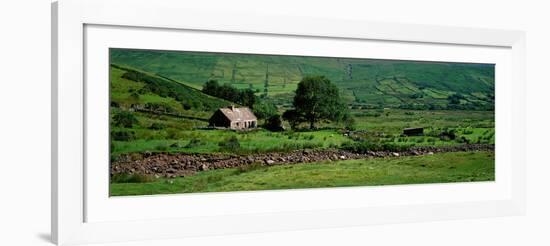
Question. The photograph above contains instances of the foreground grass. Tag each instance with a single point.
(438, 168)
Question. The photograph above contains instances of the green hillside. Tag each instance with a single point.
(138, 89)
(364, 82)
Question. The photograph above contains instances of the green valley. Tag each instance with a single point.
(317, 122)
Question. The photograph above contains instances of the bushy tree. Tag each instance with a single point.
(318, 99)
(349, 123)
(210, 87)
(455, 98)
(247, 98)
(230, 145)
(293, 118)
(264, 109)
(274, 123)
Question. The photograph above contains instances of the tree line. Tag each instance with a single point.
(244, 97)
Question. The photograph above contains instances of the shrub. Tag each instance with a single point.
(130, 178)
(162, 147)
(274, 123)
(172, 133)
(123, 135)
(293, 118)
(467, 131)
(198, 105)
(230, 145)
(115, 104)
(349, 123)
(186, 106)
(420, 140)
(157, 126)
(333, 146)
(124, 119)
(194, 142)
(463, 139)
(134, 97)
(448, 134)
(362, 147)
(159, 107)
(455, 98)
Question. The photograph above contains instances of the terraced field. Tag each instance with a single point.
(363, 81)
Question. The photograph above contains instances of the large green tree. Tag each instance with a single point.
(264, 109)
(318, 99)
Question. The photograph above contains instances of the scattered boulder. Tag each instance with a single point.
(203, 167)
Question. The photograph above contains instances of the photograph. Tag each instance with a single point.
(195, 122)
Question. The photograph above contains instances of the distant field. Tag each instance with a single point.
(363, 81)
(439, 168)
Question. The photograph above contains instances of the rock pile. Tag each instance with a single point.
(180, 164)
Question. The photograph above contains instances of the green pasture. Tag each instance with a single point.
(438, 168)
(207, 141)
(373, 125)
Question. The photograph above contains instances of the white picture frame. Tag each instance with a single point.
(78, 217)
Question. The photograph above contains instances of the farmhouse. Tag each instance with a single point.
(234, 118)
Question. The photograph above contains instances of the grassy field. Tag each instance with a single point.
(206, 141)
(387, 126)
(439, 168)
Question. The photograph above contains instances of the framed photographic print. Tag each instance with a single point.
(173, 125)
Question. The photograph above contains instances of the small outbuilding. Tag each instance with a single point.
(232, 117)
(416, 131)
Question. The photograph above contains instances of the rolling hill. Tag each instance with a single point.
(364, 82)
(131, 88)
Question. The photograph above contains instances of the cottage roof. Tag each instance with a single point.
(238, 114)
